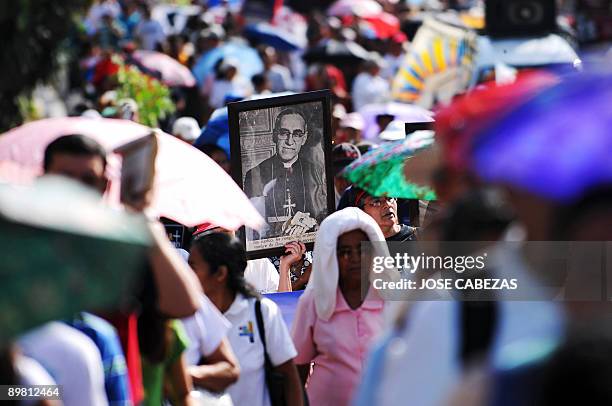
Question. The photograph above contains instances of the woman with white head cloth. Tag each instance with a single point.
(334, 325)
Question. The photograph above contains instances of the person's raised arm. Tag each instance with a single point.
(293, 254)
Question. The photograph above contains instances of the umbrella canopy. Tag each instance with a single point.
(56, 262)
(275, 36)
(408, 113)
(216, 129)
(556, 145)
(172, 72)
(337, 52)
(360, 8)
(189, 187)
(427, 58)
(469, 116)
(249, 62)
(381, 171)
(384, 25)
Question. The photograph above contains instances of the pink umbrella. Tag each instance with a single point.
(360, 8)
(171, 70)
(189, 187)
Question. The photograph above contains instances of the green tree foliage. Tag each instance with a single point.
(32, 32)
(151, 96)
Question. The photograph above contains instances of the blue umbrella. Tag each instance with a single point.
(248, 60)
(275, 37)
(215, 130)
(556, 145)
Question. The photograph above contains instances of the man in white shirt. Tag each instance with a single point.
(29, 372)
(229, 82)
(262, 275)
(71, 358)
(149, 32)
(98, 10)
(396, 53)
(278, 75)
(369, 87)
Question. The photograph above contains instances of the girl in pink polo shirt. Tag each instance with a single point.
(333, 326)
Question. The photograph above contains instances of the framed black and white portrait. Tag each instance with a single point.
(281, 157)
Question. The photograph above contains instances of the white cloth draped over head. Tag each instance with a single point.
(324, 278)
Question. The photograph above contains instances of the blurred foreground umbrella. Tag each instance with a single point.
(337, 52)
(274, 36)
(171, 70)
(382, 171)
(471, 115)
(360, 8)
(408, 113)
(189, 187)
(556, 145)
(63, 251)
(249, 62)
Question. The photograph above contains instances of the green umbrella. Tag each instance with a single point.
(387, 170)
(62, 250)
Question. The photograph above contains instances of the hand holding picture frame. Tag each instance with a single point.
(138, 170)
(281, 158)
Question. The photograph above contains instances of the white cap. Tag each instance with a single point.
(396, 130)
(109, 97)
(339, 111)
(227, 63)
(91, 113)
(186, 128)
(353, 120)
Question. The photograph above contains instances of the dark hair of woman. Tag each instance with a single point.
(219, 249)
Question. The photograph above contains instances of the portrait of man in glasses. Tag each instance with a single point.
(289, 185)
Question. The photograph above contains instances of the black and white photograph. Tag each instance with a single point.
(279, 149)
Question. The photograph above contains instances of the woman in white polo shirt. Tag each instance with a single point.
(219, 262)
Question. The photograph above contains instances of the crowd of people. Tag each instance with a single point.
(115, 28)
(202, 326)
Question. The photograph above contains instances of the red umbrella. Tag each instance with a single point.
(189, 187)
(385, 25)
(360, 8)
(458, 124)
(171, 70)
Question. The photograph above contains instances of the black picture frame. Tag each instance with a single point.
(249, 151)
(419, 126)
